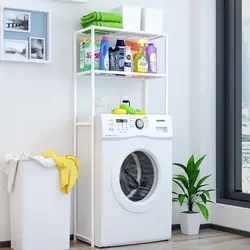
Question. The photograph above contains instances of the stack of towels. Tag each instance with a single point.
(103, 19)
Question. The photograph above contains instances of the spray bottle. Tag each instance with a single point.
(141, 62)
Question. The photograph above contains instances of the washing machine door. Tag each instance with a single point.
(135, 179)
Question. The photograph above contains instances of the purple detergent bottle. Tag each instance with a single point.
(151, 54)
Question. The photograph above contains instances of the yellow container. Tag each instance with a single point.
(141, 62)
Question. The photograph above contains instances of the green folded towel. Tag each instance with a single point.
(101, 16)
(104, 24)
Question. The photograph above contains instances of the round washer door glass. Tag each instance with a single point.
(137, 176)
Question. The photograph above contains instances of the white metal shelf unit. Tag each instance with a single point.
(118, 34)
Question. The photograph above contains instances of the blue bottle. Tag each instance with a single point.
(104, 53)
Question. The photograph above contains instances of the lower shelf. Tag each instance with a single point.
(125, 75)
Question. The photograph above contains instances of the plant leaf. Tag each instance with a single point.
(182, 179)
(175, 200)
(191, 159)
(204, 198)
(203, 191)
(181, 198)
(192, 170)
(175, 193)
(202, 180)
(198, 163)
(209, 201)
(197, 189)
(181, 166)
(203, 210)
(179, 184)
(193, 174)
(207, 193)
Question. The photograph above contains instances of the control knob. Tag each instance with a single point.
(139, 124)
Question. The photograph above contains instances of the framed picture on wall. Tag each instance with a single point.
(37, 48)
(17, 21)
(15, 50)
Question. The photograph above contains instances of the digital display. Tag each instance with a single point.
(121, 120)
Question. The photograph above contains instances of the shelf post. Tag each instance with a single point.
(145, 98)
(75, 130)
(166, 72)
(92, 136)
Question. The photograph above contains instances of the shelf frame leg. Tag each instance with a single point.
(166, 78)
(92, 137)
(145, 93)
(75, 134)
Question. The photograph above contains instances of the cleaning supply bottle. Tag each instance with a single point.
(151, 54)
(113, 59)
(120, 44)
(127, 59)
(141, 62)
(104, 53)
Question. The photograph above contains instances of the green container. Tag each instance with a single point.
(85, 54)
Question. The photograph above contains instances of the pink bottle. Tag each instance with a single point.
(151, 54)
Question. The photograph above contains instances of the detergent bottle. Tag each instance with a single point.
(151, 53)
(141, 62)
(120, 44)
(104, 53)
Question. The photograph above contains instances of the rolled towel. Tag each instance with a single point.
(101, 16)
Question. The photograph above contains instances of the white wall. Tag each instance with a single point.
(36, 100)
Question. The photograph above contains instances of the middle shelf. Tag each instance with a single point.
(122, 74)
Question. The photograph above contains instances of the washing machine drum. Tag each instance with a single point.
(137, 176)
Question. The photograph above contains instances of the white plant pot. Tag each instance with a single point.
(190, 223)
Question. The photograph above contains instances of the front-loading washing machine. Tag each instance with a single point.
(133, 179)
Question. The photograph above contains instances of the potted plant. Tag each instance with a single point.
(193, 194)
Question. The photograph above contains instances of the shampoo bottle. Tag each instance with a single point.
(104, 53)
(120, 44)
(128, 59)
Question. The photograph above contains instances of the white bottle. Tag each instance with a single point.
(127, 59)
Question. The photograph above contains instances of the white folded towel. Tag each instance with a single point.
(13, 161)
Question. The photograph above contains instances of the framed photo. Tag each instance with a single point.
(15, 50)
(37, 49)
(17, 21)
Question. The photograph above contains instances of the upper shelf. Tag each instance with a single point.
(125, 75)
(121, 33)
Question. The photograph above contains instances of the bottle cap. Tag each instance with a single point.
(142, 42)
(105, 38)
(120, 43)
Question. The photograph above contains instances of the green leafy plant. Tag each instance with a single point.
(193, 192)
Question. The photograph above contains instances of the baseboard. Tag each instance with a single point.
(6, 244)
(202, 226)
(219, 228)
(230, 230)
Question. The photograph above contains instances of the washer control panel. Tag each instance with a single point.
(134, 125)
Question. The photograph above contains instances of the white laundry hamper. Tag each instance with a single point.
(40, 213)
